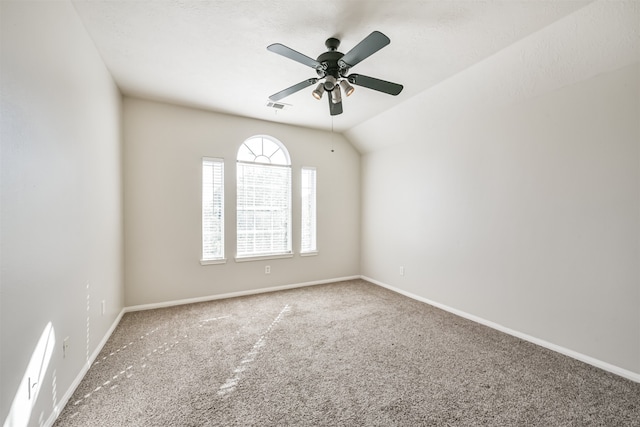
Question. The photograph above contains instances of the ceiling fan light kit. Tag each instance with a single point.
(319, 90)
(336, 96)
(333, 67)
(346, 87)
(330, 83)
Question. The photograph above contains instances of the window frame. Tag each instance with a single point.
(288, 252)
(313, 250)
(204, 260)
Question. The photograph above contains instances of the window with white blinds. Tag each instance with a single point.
(308, 211)
(263, 199)
(212, 210)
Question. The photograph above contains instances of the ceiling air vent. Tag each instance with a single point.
(277, 105)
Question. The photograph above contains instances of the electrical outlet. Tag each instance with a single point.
(65, 347)
(103, 307)
(402, 270)
(267, 269)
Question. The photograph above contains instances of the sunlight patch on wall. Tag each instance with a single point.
(27, 393)
(88, 323)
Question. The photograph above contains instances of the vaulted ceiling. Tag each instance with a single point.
(212, 54)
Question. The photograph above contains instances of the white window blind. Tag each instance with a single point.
(212, 209)
(308, 211)
(263, 199)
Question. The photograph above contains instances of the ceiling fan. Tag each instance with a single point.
(333, 67)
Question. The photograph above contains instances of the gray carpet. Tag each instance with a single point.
(343, 354)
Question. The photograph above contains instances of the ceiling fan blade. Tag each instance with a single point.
(375, 84)
(287, 52)
(334, 109)
(367, 47)
(293, 89)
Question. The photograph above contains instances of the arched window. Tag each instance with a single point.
(263, 198)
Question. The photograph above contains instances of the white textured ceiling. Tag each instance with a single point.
(212, 54)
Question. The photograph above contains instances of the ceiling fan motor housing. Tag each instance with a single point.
(330, 64)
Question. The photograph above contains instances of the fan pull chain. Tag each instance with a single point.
(332, 150)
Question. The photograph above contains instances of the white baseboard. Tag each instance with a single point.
(76, 382)
(633, 376)
(234, 294)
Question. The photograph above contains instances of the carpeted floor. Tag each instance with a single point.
(343, 354)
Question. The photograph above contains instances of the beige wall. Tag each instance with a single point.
(521, 211)
(61, 205)
(164, 146)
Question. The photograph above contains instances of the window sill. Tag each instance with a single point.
(312, 253)
(213, 261)
(263, 257)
